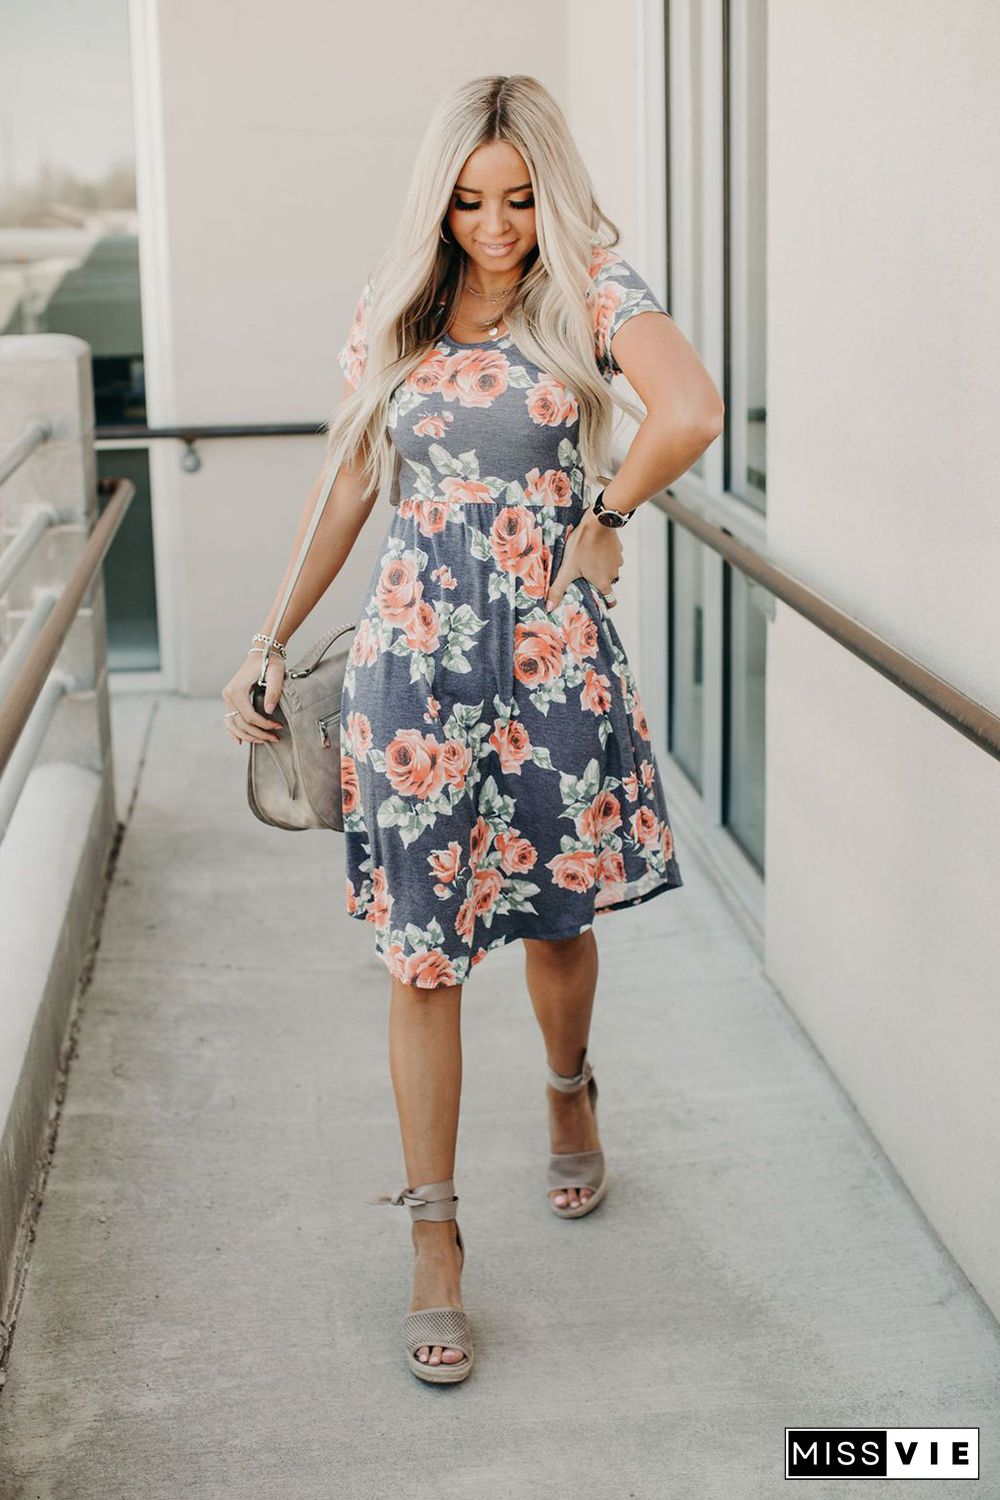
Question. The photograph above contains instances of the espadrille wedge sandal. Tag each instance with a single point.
(579, 1169)
(447, 1326)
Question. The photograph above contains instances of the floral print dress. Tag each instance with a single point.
(498, 776)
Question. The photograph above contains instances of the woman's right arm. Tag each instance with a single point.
(346, 511)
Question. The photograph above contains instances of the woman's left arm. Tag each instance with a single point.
(684, 415)
(684, 411)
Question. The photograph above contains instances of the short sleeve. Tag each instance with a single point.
(621, 293)
(354, 353)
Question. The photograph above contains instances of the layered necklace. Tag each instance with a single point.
(492, 325)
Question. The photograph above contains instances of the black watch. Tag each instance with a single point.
(607, 517)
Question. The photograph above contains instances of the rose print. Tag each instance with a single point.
(551, 488)
(445, 577)
(359, 734)
(379, 907)
(433, 710)
(574, 870)
(457, 760)
(429, 375)
(645, 826)
(349, 790)
(512, 744)
(429, 971)
(538, 652)
(414, 764)
(517, 855)
(364, 648)
(398, 589)
(550, 404)
(433, 425)
(467, 492)
(486, 887)
(595, 693)
(476, 377)
(602, 817)
(479, 841)
(423, 627)
(445, 865)
(580, 633)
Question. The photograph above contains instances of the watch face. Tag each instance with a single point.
(611, 518)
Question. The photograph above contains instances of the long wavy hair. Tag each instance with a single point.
(550, 320)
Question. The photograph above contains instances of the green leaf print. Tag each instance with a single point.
(479, 545)
(518, 377)
(497, 810)
(465, 466)
(452, 658)
(541, 756)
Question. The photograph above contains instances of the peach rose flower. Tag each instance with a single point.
(352, 900)
(396, 962)
(602, 817)
(639, 720)
(647, 774)
(645, 826)
(446, 863)
(364, 647)
(430, 970)
(596, 691)
(610, 868)
(486, 887)
(398, 590)
(429, 374)
(514, 536)
(666, 841)
(414, 764)
(479, 841)
(456, 759)
(445, 577)
(467, 491)
(423, 627)
(538, 652)
(465, 921)
(359, 734)
(512, 744)
(630, 786)
(349, 791)
(580, 633)
(573, 871)
(433, 710)
(380, 904)
(516, 854)
(435, 424)
(475, 377)
(550, 404)
(550, 488)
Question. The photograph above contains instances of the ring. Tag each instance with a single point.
(232, 713)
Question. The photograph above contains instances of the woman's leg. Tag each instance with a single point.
(562, 978)
(425, 1062)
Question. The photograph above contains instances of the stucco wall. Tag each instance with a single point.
(883, 824)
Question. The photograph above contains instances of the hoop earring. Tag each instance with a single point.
(447, 238)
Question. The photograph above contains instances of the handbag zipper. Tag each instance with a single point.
(324, 733)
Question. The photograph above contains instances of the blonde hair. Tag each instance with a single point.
(551, 320)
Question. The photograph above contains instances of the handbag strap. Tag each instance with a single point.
(330, 481)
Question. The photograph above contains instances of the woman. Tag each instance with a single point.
(498, 777)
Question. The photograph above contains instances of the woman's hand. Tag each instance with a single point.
(243, 721)
(593, 552)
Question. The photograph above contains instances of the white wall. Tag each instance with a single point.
(275, 146)
(883, 824)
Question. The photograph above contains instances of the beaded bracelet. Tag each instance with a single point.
(270, 643)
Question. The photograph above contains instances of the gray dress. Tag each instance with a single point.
(499, 779)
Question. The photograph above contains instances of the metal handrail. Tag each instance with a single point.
(33, 436)
(972, 719)
(192, 433)
(30, 681)
(956, 708)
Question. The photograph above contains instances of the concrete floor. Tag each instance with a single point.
(213, 1309)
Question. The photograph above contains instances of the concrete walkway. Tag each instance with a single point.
(213, 1310)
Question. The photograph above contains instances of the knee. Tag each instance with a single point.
(558, 950)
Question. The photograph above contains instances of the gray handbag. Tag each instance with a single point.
(294, 781)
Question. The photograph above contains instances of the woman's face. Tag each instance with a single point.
(492, 210)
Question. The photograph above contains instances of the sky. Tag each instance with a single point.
(65, 90)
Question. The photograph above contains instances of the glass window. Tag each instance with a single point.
(686, 691)
(746, 27)
(745, 606)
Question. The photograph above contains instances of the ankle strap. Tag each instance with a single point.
(568, 1085)
(432, 1200)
